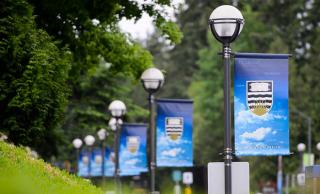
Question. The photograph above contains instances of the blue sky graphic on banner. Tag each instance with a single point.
(133, 149)
(96, 162)
(83, 163)
(109, 162)
(261, 114)
(174, 132)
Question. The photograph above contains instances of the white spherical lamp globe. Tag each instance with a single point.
(301, 147)
(77, 143)
(89, 140)
(113, 123)
(117, 108)
(102, 134)
(318, 146)
(152, 79)
(224, 21)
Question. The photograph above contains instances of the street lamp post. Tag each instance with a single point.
(309, 121)
(226, 23)
(152, 80)
(89, 141)
(113, 123)
(77, 143)
(318, 148)
(301, 148)
(117, 109)
(102, 134)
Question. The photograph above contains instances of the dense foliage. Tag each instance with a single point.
(63, 62)
(34, 72)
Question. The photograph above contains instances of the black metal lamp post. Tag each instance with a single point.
(89, 141)
(301, 147)
(152, 80)
(77, 143)
(102, 135)
(309, 121)
(318, 148)
(117, 109)
(226, 23)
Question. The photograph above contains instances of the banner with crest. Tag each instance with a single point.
(174, 133)
(94, 167)
(83, 163)
(261, 112)
(96, 162)
(133, 149)
(109, 162)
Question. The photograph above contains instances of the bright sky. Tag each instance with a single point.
(144, 27)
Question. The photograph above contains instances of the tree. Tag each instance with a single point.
(33, 85)
(193, 21)
(79, 56)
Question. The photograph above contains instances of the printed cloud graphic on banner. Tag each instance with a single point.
(164, 141)
(132, 161)
(173, 152)
(258, 135)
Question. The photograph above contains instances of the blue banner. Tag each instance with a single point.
(109, 163)
(133, 149)
(83, 163)
(96, 162)
(95, 168)
(261, 113)
(174, 133)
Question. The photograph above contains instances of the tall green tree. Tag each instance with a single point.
(69, 51)
(298, 26)
(180, 61)
(33, 77)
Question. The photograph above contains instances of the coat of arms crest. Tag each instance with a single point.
(133, 143)
(259, 96)
(174, 127)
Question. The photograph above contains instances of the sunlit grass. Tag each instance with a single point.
(21, 174)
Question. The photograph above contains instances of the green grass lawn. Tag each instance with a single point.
(21, 174)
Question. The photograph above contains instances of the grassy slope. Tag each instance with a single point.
(20, 174)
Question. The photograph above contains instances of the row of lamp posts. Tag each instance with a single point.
(89, 141)
(152, 80)
(117, 110)
(226, 23)
(301, 147)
